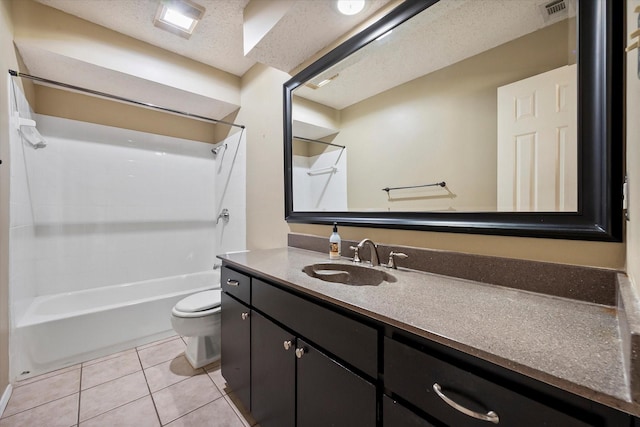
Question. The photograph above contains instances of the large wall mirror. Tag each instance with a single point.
(493, 116)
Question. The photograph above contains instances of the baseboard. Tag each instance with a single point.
(5, 398)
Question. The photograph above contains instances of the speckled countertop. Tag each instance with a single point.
(570, 344)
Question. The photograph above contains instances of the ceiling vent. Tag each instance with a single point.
(556, 10)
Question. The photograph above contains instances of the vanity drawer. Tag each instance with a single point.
(414, 375)
(348, 339)
(236, 284)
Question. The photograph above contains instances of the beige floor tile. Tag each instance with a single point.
(45, 376)
(59, 413)
(217, 413)
(181, 398)
(108, 356)
(160, 341)
(139, 413)
(218, 380)
(156, 354)
(43, 391)
(169, 373)
(242, 413)
(102, 372)
(107, 396)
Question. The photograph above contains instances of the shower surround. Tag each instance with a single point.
(102, 210)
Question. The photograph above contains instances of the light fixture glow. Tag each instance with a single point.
(178, 16)
(178, 19)
(350, 7)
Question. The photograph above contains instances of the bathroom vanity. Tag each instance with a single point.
(425, 349)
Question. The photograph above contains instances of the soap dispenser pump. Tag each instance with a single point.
(335, 243)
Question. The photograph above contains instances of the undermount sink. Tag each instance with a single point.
(348, 274)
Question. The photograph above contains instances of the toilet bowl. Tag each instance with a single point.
(197, 317)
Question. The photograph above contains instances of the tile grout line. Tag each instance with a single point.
(117, 407)
(224, 395)
(195, 409)
(17, 385)
(153, 401)
(37, 406)
(111, 410)
(79, 395)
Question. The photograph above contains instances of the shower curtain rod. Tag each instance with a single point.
(120, 98)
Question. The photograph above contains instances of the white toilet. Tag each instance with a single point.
(198, 318)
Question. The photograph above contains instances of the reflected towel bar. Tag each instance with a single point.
(319, 142)
(441, 184)
(329, 169)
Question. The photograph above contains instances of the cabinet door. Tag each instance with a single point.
(396, 415)
(330, 395)
(273, 370)
(236, 345)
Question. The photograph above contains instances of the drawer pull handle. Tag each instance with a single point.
(244, 316)
(233, 282)
(490, 416)
(287, 344)
(299, 353)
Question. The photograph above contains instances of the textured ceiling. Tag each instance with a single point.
(307, 27)
(216, 41)
(444, 34)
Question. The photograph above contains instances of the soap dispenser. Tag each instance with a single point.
(335, 243)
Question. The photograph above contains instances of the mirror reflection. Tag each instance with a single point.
(470, 106)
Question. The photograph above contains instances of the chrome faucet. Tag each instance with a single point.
(374, 250)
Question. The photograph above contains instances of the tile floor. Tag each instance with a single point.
(151, 385)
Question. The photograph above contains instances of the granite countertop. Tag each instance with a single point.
(573, 345)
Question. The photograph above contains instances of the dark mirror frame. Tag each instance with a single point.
(600, 140)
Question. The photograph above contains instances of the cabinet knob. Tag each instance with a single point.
(287, 344)
(233, 282)
(299, 353)
(244, 316)
(490, 416)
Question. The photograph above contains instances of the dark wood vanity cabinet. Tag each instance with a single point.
(278, 369)
(235, 336)
(290, 376)
(458, 397)
(456, 389)
(297, 361)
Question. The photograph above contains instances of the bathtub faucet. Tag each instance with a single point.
(224, 215)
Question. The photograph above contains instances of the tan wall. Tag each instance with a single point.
(441, 127)
(633, 152)
(261, 112)
(75, 106)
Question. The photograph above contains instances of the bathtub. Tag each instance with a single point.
(65, 329)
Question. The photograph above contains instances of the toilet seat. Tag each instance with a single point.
(198, 305)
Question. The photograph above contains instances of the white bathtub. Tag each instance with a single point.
(65, 329)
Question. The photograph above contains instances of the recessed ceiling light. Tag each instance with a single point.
(178, 16)
(350, 7)
(323, 82)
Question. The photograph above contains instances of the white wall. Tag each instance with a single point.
(324, 190)
(231, 193)
(101, 206)
(22, 255)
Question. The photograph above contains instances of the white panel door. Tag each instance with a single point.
(537, 143)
